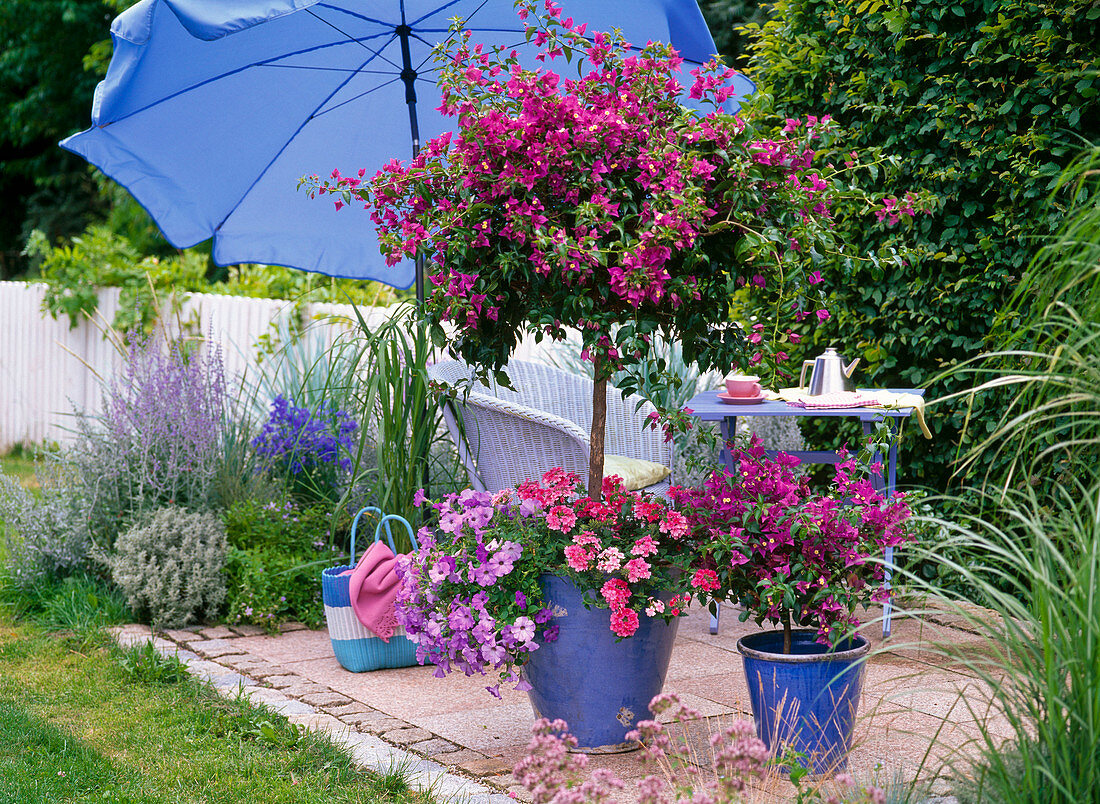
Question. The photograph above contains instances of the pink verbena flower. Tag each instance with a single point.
(637, 569)
(705, 580)
(624, 622)
(578, 558)
(616, 593)
(610, 559)
(561, 518)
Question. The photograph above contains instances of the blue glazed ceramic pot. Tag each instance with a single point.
(601, 687)
(805, 700)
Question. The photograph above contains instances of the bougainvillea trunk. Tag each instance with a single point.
(596, 434)
(786, 631)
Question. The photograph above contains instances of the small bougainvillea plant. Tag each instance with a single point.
(470, 596)
(790, 555)
(604, 204)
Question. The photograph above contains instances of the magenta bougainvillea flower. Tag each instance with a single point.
(789, 554)
(600, 203)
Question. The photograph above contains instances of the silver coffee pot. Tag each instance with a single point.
(828, 374)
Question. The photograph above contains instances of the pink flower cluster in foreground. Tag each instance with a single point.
(721, 775)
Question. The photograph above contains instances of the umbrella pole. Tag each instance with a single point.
(408, 77)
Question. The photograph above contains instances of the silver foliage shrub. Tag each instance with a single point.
(170, 566)
(45, 535)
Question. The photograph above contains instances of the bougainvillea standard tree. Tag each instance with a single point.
(601, 203)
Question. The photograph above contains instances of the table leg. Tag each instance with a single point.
(727, 428)
(885, 484)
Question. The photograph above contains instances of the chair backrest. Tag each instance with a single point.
(452, 372)
(534, 385)
(548, 389)
(539, 388)
(518, 448)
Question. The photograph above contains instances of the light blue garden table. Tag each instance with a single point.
(707, 407)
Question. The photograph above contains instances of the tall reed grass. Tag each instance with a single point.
(375, 371)
(1033, 541)
(406, 433)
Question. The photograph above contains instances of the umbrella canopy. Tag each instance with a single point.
(212, 110)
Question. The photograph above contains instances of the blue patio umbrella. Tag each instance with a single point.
(212, 110)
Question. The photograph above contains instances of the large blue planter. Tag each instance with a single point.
(601, 687)
(805, 700)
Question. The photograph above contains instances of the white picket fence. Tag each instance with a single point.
(48, 369)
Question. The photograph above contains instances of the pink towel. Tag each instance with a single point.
(373, 588)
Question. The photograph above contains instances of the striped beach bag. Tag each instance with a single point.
(356, 647)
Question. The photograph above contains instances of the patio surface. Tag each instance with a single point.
(916, 711)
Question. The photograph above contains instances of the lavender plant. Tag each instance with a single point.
(157, 441)
(311, 449)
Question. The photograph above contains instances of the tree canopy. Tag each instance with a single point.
(45, 95)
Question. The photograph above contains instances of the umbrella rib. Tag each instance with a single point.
(272, 62)
(479, 30)
(355, 39)
(354, 98)
(445, 6)
(289, 139)
(429, 44)
(635, 48)
(326, 69)
(363, 17)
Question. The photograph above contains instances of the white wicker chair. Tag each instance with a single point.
(513, 436)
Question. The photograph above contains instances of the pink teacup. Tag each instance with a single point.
(743, 385)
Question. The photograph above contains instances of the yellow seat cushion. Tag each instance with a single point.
(635, 472)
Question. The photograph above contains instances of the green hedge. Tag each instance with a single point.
(984, 102)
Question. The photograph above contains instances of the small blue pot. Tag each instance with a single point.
(805, 700)
(597, 684)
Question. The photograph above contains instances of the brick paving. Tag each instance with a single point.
(453, 738)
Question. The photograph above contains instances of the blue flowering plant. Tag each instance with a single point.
(310, 449)
(470, 596)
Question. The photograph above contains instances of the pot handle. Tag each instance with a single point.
(802, 375)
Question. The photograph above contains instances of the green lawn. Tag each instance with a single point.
(88, 724)
(19, 463)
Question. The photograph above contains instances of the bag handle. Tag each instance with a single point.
(385, 520)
